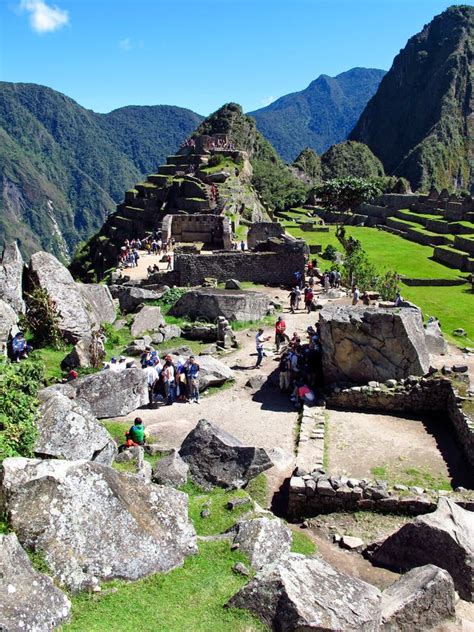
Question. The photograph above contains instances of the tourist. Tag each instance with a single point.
(398, 299)
(169, 259)
(298, 278)
(355, 295)
(293, 298)
(136, 435)
(285, 372)
(192, 371)
(259, 340)
(337, 279)
(20, 348)
(280, 336)
(242, 245)
(308, 300)
(113, 366)
(168, 375)
(152, 377)
(121, 364)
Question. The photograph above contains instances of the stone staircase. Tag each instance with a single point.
(311, 439)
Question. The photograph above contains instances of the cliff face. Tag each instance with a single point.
(420, 122)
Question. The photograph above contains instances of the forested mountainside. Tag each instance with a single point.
(420, 121)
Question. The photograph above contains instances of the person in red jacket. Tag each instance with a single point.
(280, 336)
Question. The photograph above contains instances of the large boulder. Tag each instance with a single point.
(108, 393)
(75, 314)
(216, 458)
(92, 523)
(263, 540)
(68, 430)
(306, 593)
(444, 538)
(99, 299)
(171, 470)
(362, 344)
(149, 318)
(209, 303)
(420, 599)
(8, 326)
(11, 278)
(212, 372)
(29, 601)
(131, 297)
(435, 342)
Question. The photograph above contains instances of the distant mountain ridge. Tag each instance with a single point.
(64, 168)
(420, 122)
(319, 116)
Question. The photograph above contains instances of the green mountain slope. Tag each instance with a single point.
(420, 122)
(319, 116)
(64, 168)
(350, 159)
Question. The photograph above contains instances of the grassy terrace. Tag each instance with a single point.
(454, 306)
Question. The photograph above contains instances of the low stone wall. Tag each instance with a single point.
(261, 231)
(464, 243)
(432, 282)
(259, 267)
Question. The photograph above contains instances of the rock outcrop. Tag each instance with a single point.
(29, 601)
(108, 393)
(149, 318)
(68, 430)
(88, 352)
(444, 538)
(171, 470)
(11, 278)
(131, 297)
(209, 303)
(302, 593)
(435, 342)
(422, 598)
(8, 326)
(263, 540)
(216, 458)
(212, 372)
(100, 302)
(363, 344)
(93, 523)
(75, 320)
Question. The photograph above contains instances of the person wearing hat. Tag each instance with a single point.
(122, 364)
(259, 341)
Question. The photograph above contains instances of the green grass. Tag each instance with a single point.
(257, 489)
(412, 477)
(188, 598)
(128, 467)
(51, 359)
(221, 518)
(379, 471)
(302, 544)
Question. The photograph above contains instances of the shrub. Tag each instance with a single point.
(42, 319)
(19, 385)
(329, 253)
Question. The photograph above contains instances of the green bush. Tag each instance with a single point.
(215, 160)
(42, 319)
(19, 385)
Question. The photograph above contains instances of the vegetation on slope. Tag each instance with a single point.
(350, 159)
(419, 122)
(319, 116)
(309, 163)
(64, 168)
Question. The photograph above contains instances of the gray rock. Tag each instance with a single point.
(444, 538)
(212, 372)
(216, 458)
(241, 569)
(11, 278)
(255, 382)
(68, 430)
(435, 342)
(364, 344)
(351, 543)
(232, 284)
(109, 394)
(208, 304)
(100, 302)
(95, 524)
(460, 368)
(391, 383)
(263, 540)
(422, 598)
(76, 316)
(306, 593)
(171, 470)
(88, 352)
(29, 601)
(170, 331)
(149, 318)
(130, 297)
(157, 338)
(8, 326)
(325, 488)
(137, 347)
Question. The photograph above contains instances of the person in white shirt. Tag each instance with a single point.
(259, 340)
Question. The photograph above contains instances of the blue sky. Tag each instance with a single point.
(198, 53)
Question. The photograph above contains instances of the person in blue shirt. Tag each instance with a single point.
(192, 373)
(20, 348)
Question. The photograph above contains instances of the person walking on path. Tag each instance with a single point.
(308, 300)
(259, 341)
(293, 295)
(280, 336)
(355, 295)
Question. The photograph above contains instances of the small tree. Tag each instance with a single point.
(343, 194)
(42, 319)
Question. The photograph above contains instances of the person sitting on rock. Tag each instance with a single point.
(136, 435)
(20, 348)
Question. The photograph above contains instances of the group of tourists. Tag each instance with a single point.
(171, 380)
(152, 245)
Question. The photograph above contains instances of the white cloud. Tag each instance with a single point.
(45, 18)
(126, 44)
(266, 101)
